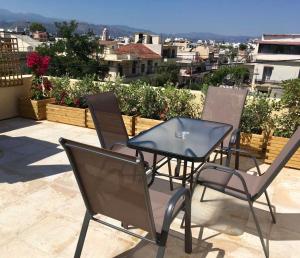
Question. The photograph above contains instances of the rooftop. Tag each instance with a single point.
(42, 211)
(138, 50)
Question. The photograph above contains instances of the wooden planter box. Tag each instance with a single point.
(66, 115)
(33, 109)
(253, 143)
(275, 145)
(129, 122)
(142, 124)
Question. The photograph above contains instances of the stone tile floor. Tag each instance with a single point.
(41, 209)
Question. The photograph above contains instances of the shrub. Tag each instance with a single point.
(230, 75)
(74, 95)
(287, 122)
(129, 97)
(61, 90)
(257, 115)
(180, 103)
(152, 103)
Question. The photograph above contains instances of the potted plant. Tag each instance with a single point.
(256, 123)
(286, 122)
(159, 104)
(70, 103)
(34, 105)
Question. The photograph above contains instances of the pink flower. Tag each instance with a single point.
(38, 63)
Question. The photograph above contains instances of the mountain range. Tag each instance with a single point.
(10, 19)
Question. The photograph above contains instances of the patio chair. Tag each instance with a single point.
(111, 129)
(245, 186)
(225, 105)
(114, 185)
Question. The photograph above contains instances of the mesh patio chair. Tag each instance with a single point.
(111, 129)
(245, 186)
(225, 105)
(114, 185)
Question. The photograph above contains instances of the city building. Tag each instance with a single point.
(40, 36)
(277, 58)
(131, 60)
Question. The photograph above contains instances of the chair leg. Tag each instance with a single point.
(270, 208)
(161, 252)
(82, 235)
(170, 174)
(258, 229)
(203, 193)
(187, 229)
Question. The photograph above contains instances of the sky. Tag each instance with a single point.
(226, 17)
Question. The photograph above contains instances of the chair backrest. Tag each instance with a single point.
(112, 184)
(286, 153)
(224, 105)
(107, 119)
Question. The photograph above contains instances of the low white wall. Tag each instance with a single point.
(9, 98)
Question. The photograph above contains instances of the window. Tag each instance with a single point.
(267, 73)
(143, 68)
(149, 64)
(279, 49)
(134, 64)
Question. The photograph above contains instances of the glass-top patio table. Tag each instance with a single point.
(186, 139)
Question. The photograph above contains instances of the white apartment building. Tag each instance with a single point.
(25, 43)
(276, 58)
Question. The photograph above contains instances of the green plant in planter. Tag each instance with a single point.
(288, 120)
(82, 88)
(152, 103)
(74, 95)
(257, 114)
(180, 103)
(61, 90)
(129, 97)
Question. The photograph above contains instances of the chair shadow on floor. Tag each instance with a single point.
(175, 248)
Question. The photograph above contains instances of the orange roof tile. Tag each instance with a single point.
(139, 50)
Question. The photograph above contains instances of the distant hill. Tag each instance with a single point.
(10, 19)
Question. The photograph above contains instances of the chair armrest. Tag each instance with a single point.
(234, 137)
(247, 153)
(223, 169)
(169, 216)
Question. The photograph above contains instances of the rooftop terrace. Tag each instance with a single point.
(41, 209)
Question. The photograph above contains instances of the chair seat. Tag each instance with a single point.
(148, 157)
(230, 180)
(160, 195)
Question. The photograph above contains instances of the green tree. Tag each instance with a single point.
(243, 47)
(34, 26)
(235, 75)
(74, 54)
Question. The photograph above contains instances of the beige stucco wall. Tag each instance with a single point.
(281, 72)
(9, 98)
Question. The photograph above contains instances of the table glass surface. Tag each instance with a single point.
(184, 138)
